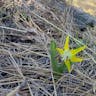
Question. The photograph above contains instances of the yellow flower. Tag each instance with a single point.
(69, 55)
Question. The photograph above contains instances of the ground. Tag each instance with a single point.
(27, 28)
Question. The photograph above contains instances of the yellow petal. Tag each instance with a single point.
(60, 51)
(66, 46)
(67, 63)
(75, 51)
(76, 59)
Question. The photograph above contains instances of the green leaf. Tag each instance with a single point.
(53, 56)
(56, 66)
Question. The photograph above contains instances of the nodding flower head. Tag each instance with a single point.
(69, 55)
